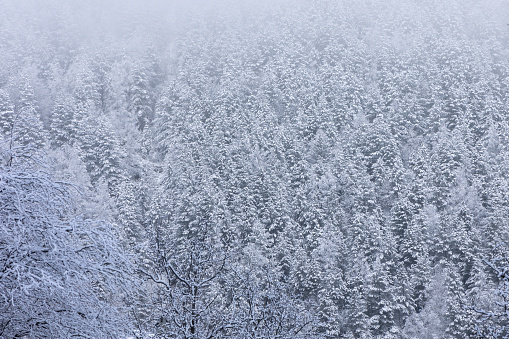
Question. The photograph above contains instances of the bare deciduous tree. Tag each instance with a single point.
(60, 275)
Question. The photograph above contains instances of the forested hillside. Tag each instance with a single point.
(284, 169)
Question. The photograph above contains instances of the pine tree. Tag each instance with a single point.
(7, 114)
(62, 126)
(140, 102)
(99, 150)
(27, 127)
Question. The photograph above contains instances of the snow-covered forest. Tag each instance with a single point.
(254, 169)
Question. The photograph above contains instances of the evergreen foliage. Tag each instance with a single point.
(282, 169)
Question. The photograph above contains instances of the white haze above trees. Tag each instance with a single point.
(268, 169)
